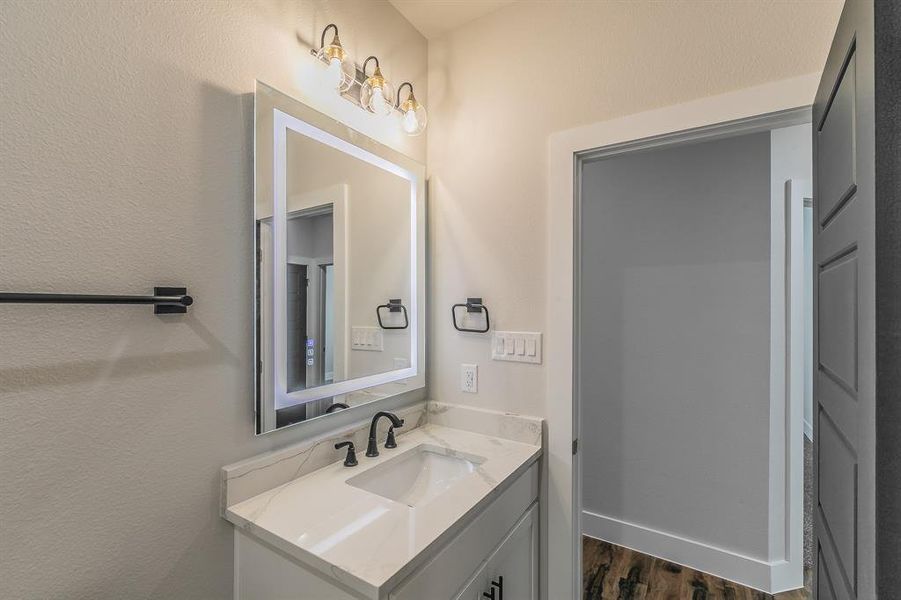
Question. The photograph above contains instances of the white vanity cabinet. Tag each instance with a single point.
(501, 540)
(511, 572)
(449, 514)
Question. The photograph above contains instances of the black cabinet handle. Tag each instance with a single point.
(499, 584)
(497, 587)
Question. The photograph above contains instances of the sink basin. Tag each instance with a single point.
(417, 475)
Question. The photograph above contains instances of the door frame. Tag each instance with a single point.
(739, 110)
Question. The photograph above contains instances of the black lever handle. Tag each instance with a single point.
(499, 584)
(351, 459)
(391, 442)
(489, 595)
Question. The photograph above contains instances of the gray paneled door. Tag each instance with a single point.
(845, 331)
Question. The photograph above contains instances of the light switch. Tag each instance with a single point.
(517, 346)
(367, 338)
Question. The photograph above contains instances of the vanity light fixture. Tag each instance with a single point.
(372, 92)
(377, 93)
(341, 70)
(413, 114)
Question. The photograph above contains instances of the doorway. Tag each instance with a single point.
(690, 333)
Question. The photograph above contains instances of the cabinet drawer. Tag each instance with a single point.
(453, 566)
(511, 572)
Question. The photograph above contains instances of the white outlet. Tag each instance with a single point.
(469, 378)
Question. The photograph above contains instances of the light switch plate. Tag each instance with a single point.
(366, 338)
(516, 346)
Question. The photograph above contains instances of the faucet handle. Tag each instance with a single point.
(351, 459)
(391, 442)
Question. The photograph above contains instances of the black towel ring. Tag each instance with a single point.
(394, 305)
(472, 305)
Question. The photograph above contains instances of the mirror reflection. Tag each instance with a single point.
(337, 199)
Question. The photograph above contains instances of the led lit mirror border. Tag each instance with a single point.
(275, 114)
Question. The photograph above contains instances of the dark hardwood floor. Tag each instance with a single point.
(614, 573)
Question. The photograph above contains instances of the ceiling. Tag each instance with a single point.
(434, 17)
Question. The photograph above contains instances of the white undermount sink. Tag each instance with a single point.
(418, 475)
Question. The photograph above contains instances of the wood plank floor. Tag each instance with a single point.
(614, 573)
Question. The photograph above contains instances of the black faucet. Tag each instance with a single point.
(351, 459)
(373, 448)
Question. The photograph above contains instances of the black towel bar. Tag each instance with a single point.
(165, 300)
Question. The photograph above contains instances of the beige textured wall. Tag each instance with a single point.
(500, 85)
(126, 161)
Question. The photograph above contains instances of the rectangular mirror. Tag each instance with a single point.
(339, 231)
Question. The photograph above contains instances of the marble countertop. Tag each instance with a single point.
(367, 542)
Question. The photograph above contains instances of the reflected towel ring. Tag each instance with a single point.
(394, 305)
(473, 305)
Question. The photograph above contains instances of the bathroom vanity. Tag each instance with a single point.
(449, 510)
(447, 514)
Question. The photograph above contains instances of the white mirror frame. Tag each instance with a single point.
(312, 124)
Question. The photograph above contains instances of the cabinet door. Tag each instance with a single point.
(511, 572)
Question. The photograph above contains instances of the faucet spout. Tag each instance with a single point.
(372, 449)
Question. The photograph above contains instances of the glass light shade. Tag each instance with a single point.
(340, 70)
(377, 94)
(413, 116)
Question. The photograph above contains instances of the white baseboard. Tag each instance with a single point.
(808, 430)
(745, 570)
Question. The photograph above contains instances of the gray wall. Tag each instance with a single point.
(126, 161)
(675, 341)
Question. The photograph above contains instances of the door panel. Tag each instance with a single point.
(838, 321)
(838, 476)
(844, 251)
(824, 585)
(836, 168)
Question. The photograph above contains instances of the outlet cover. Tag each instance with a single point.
(469, 378)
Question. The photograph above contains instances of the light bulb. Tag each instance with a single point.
(413, 115)
(334, 73)
(410, 122)
(376, 93)
(378, 104)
